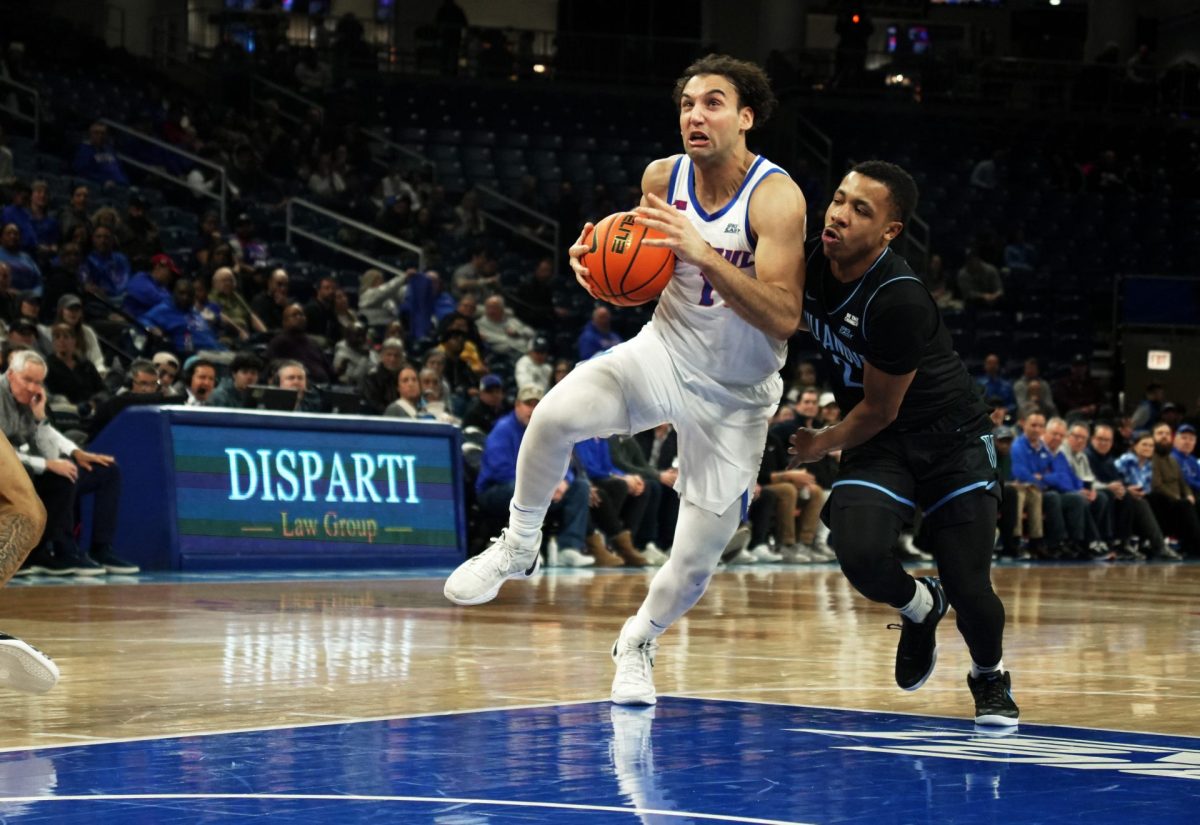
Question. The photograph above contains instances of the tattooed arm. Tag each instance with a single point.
(22, 516)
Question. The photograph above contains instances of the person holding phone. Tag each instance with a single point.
(61, 471)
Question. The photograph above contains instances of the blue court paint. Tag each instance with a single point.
(683, 761)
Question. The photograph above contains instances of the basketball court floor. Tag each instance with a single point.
(369, 698)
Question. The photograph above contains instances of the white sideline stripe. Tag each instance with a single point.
(436, 800)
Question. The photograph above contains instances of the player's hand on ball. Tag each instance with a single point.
(804, 448)
(576, 252)
(681, 237)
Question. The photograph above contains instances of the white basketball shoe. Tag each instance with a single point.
(478, 579)
(23, 667)
(633, 683)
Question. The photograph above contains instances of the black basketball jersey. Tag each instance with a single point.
(839, 317)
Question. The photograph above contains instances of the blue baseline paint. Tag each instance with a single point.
(686, 760)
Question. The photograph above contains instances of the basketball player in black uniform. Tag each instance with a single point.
(917, 434)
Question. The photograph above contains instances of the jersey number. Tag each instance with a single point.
(706, 292)
(847, 372)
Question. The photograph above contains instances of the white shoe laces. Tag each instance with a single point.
(502, 555)
(635, 666)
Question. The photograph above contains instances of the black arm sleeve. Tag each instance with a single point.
(902, 320)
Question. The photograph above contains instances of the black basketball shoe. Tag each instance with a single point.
(917, 652)
(994, 703)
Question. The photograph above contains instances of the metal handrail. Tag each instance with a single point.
(416, 156)
(259, 80)
(920, 239)
(819, 146)
(294, 229)
(36, 118)
(518, 231)
(162, 173)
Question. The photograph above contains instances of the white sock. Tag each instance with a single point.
(922, 602)
(524, 524)
(977, 671)
(642, 628)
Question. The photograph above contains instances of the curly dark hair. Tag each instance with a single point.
(750, 81)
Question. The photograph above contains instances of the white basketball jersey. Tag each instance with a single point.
(705, 336)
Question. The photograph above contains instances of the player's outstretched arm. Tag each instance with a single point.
(772, 301)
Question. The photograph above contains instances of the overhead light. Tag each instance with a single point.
(1056, 2)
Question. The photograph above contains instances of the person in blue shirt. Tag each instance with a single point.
(1135, 519)
(996, 385)
(1065, 515)
(149, 289)
(1184, 453)
(498, 476)
(598, 334)
(105, 272)
(96, 160)
(45, 225)
(24, 273)
(619, 508)
(179, 322)
(18, 213)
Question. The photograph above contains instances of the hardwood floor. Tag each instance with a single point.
(1112, 647)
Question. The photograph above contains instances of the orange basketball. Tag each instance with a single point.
(623, 270)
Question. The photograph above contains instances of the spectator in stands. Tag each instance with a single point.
(69, 375)
(45, 225)
(394, 184)
(979, 282)
(1184, 453)
(293, 344)
(799, 493)
(62, 276)
(562, 368)
(598, 335)
(1077, 393)
(1132, 512)
(291, 375)
(939, 285)
(1072, 447)
(379, 387)
(397, 218)
(502, 332)
(1021, 504)
(498, 473)
(343, 311)
(618, 502)
(534, 366)
(470, 352)
(410, 400)
(533, 300)
(455, 370)
(69, 311)
(379, 300)
(22, 334)
(149, 289)
(995, 385)
(1065, 515)
(176, 321)
(245, 370)
(1137, 471)
(1172, 500)
(105, 272)
(476, 277)
(1020, 257)
(435, 393)
(17, 212)
(208, 237)
(1150, 407)
(629, 458)
(200, 376)
(1171, 414)
(62, 473)
(1039, 400)
(325, 183)
(96, 160)
(24, 273)
(76, 213)
(10, 299)
(353, 359)
(143, 388)
(248, 249)
(468, 217)
(1032, 371)
(271, 303)
(487, 407)
(138, 234)
(166, 366)
(229, 299)
(320, 312)
(247, 181)
(831, 413)
(228, 331)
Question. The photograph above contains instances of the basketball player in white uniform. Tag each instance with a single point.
(707, 361)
